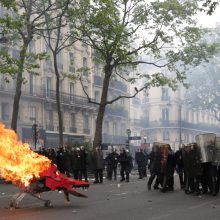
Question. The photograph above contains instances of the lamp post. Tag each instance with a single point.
(180, 125)
(35, 135)
(129, 134)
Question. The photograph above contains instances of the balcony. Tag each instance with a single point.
(185, 125)
(117, 111)
(73, 130)
(49, 127)
(98, 81)
(111, 139)
(58, 128)
(118, 85)
(86, 131)
(68, 98)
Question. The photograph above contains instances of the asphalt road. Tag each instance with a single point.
(113, 200)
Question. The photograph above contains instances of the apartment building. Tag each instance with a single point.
(171, 119)
(38, 100)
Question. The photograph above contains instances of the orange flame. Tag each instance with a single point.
(18, 163)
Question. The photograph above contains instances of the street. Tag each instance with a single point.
(114, 200)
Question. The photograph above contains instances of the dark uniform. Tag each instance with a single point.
(112, 162)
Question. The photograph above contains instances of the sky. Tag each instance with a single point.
(209, 21)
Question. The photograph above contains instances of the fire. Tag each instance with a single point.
(18, 163)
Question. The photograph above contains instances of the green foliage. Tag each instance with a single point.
(209, 6)
(165, 32)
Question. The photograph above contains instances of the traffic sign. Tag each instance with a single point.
(134, 138)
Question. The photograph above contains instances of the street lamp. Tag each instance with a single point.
(129, 134)
(180, 125)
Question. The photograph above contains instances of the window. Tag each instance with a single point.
(165, 114)
(5, 111)
(106, 127)
(71, 59)
(84, 65)
(49, 120)
(48, 86)
(86, 88)
(2, 81)
(16, 53)
(31, 84)
(59, 60)
(86, 124)
(96, 69)
(164, 95)
(71, 63)
(32, 48)
(86, 121)
(72, 91)
(97, 96)
(32, 114)
(73, 120)
(73, 128)
(166, 135)
(114, 128)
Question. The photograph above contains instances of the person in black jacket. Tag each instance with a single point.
(83, 164)
(140, 159)
(180, 167)
(75, 162)
(112, 162)
(155, 167)
(60, 160)
(125, 160)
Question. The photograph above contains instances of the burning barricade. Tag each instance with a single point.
(31, 172)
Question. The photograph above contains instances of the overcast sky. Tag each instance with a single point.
(209, 21)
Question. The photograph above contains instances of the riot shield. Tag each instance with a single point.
(206, 143)
(216, 155)
(191, 160)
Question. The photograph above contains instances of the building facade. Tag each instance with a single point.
(38, 100)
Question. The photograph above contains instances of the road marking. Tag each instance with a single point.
(120, 194)
(203, 204)
(5, 196)
(159, 217)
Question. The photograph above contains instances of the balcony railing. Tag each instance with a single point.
(73, 130)
(86, 131)
(98, 80)
(49, 95)
(107, 138)
(49, 127)
(117, 111)
(186, 125)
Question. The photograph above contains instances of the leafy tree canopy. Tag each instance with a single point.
(122, 31)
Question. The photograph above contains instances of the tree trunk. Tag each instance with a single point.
(101, 111)
(19, 82)
(60, 119)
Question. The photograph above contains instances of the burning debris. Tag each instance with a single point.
(32, 172)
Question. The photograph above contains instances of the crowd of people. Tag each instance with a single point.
(76, 162)
(162, 162)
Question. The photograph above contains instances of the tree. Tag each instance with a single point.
(21, 23)
(204, 92)
(120, 31)
(209, 6)
(58, 37)
(204, 81)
